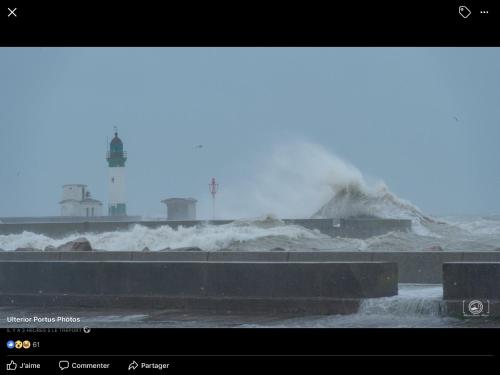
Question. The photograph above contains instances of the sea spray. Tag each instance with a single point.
(293, 181)
(303, 179)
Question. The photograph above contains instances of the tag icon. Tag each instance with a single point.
(464, 11)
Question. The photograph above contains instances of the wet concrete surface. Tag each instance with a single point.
(416, 306)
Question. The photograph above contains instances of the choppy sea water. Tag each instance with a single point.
(465, 233)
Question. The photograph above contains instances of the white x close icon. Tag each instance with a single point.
(12, 12)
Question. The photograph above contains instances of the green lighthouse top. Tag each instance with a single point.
(116, 157)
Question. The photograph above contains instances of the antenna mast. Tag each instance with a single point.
(213, 188)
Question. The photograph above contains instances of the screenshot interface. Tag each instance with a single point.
(213, 189)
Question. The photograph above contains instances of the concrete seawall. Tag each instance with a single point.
(334, 287)
(469, 281)
(356, 228)
(414, 267)
(365, 228)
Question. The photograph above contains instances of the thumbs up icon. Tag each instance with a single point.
(12, 366)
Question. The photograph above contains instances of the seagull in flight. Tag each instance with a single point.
(198, 146)
(455, 118)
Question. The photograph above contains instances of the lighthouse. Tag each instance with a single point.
(116, 158)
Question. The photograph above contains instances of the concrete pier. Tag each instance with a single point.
(424, 267)
(469, 281)
(316, 287)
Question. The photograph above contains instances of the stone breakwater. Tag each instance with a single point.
(350, 228)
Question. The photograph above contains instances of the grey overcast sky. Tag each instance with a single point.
(424, 120)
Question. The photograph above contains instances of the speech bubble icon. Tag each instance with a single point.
(63, 365)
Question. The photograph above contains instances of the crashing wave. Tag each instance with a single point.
(355, 199)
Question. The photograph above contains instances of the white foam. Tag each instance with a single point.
(412, 300)
(480, 226)
(26, 239)
(206, 237)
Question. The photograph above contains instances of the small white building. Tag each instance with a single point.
(180, 208)
(77, 201)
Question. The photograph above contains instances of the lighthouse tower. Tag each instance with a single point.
(116, 158)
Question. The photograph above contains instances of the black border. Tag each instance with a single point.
(262, 341)
(348, 23)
